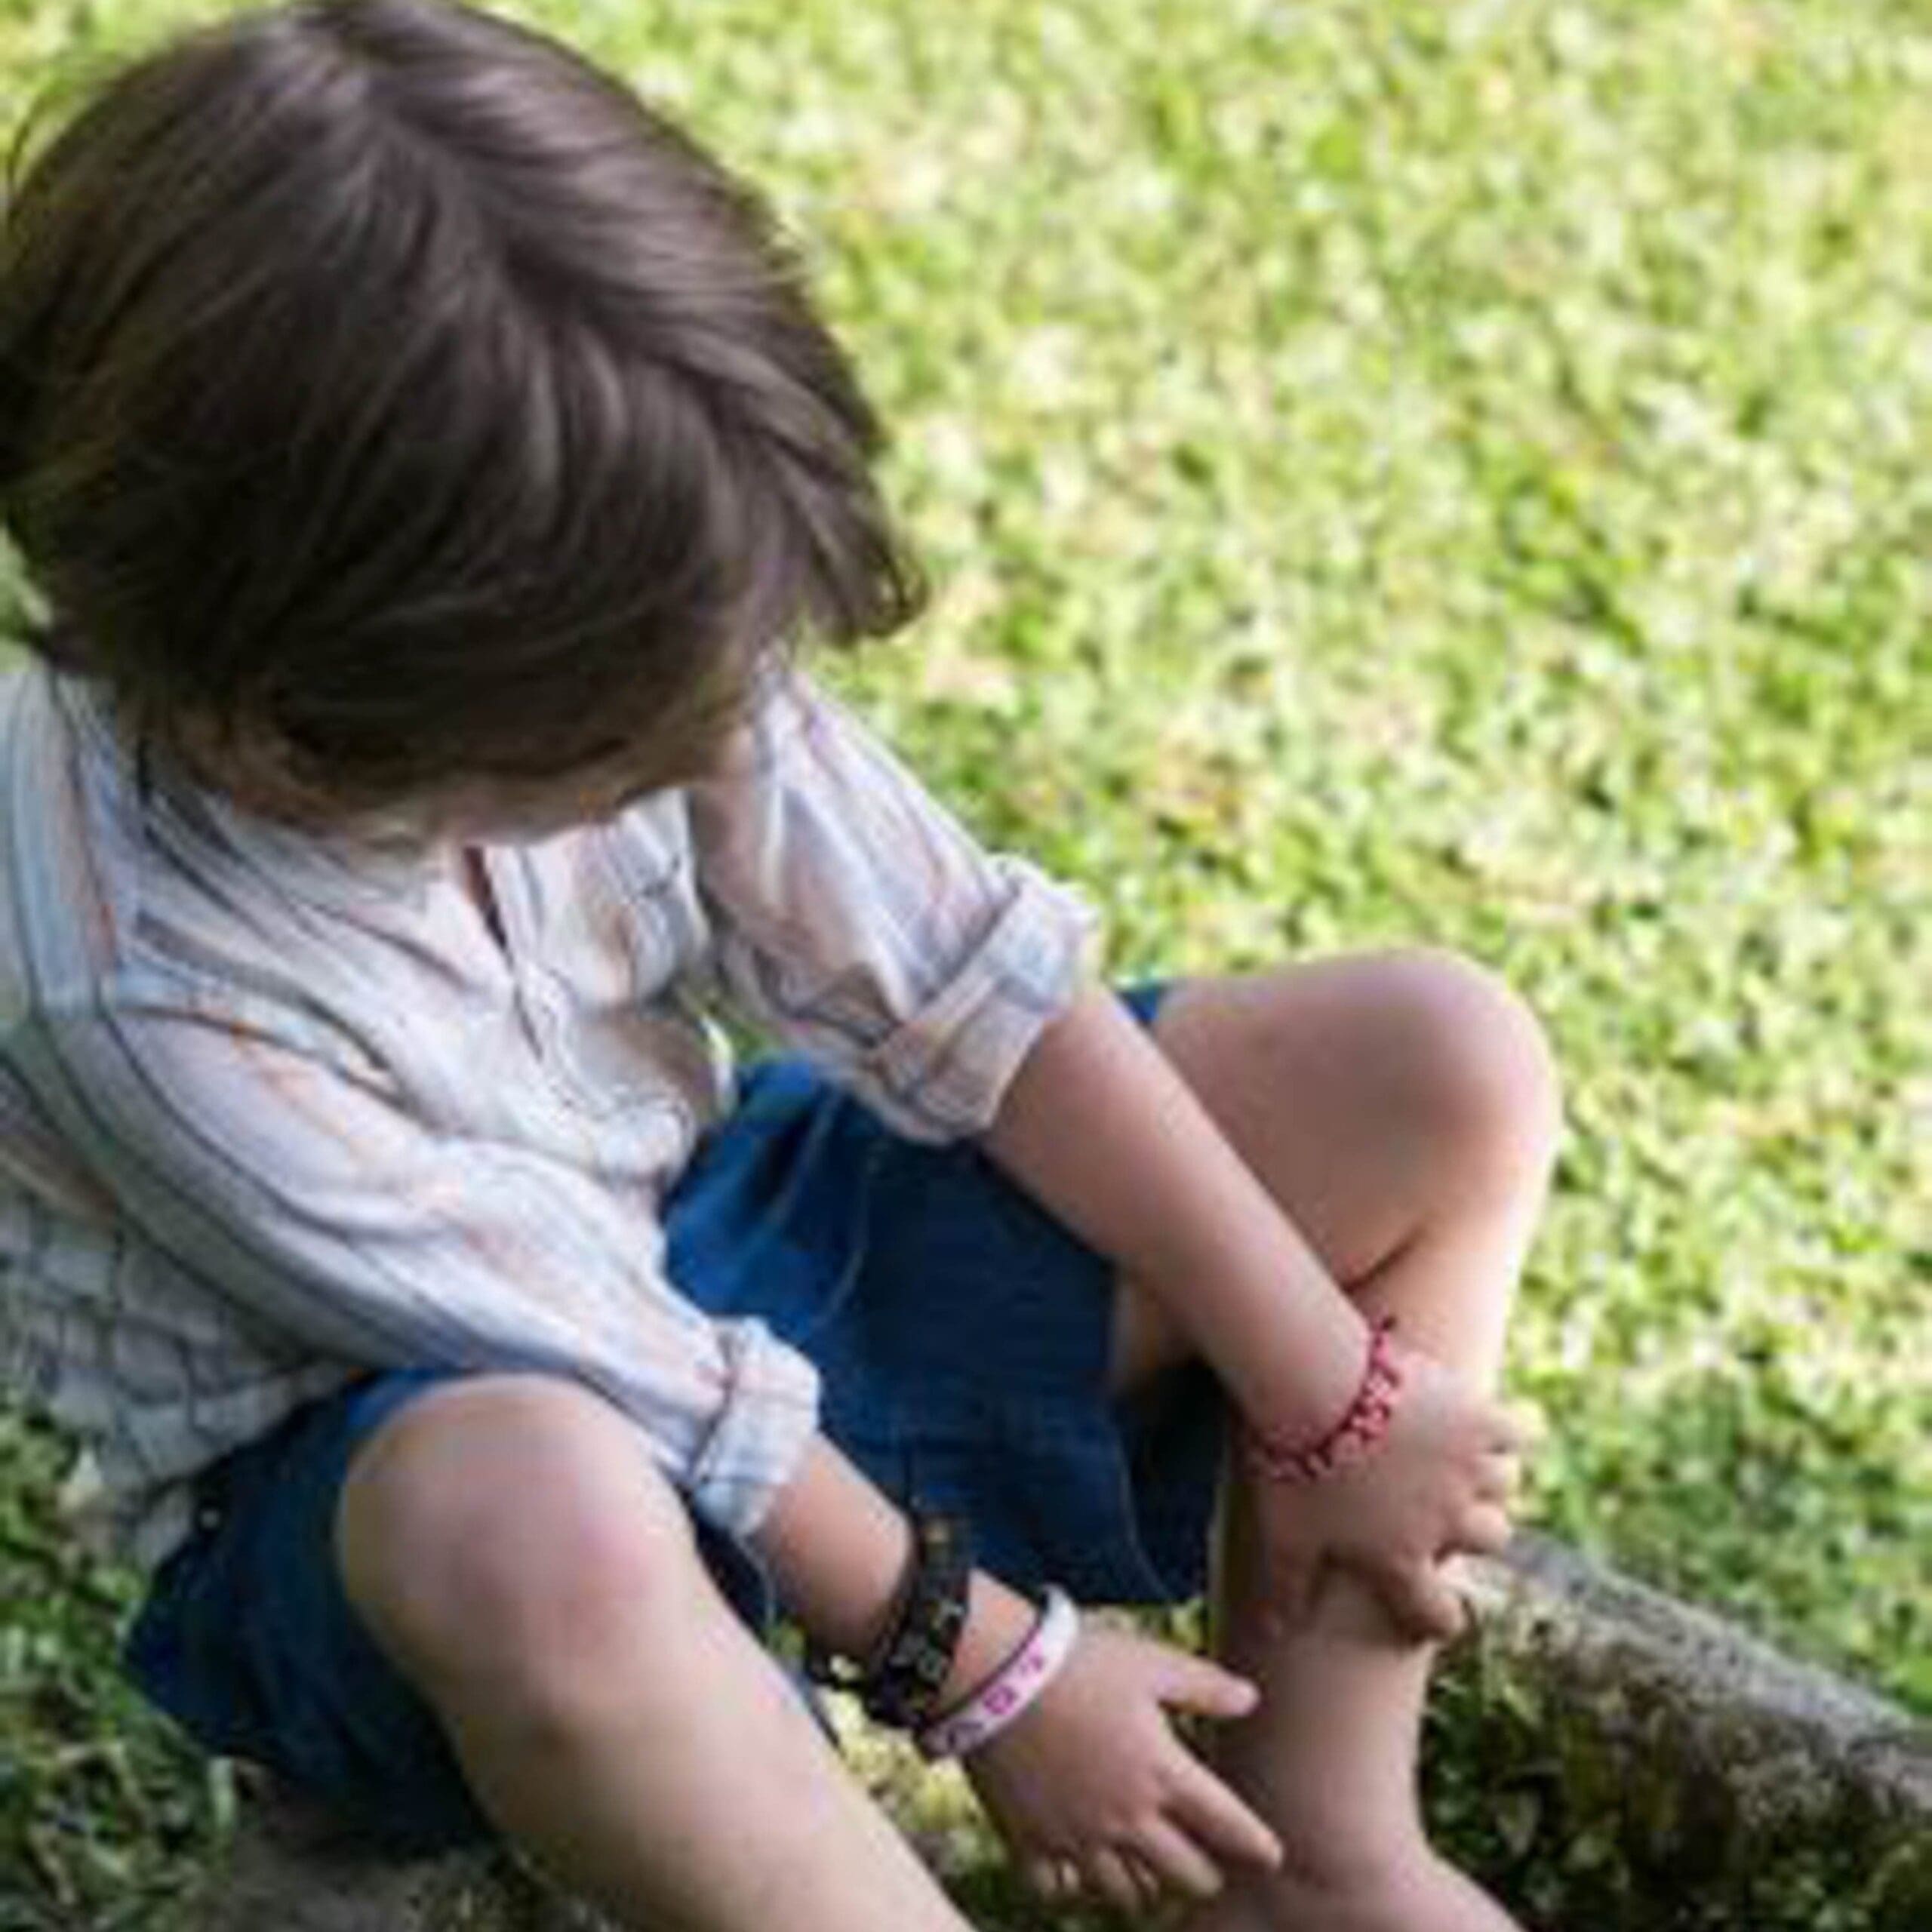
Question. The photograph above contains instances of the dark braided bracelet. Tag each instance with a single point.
(900, 1683)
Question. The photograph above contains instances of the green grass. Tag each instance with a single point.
(1406, 473)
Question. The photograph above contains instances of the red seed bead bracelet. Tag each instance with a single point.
(1282, 1458)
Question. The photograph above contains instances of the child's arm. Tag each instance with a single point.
(852, 917)
(1099, 1126)
(838, 1548)
(256, 1150)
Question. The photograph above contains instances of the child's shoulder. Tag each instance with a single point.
(72, 876)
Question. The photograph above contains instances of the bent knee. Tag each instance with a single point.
(511, 1529)
(1478, 1063)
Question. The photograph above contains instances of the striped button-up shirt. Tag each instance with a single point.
(275, 1111)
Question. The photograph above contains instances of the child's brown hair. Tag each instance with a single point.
(388, 397)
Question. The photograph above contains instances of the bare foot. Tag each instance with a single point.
(1418, 1893)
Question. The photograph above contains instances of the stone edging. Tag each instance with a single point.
(1551, 1604)
(1729, 1784)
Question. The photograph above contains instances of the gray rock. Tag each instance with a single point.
(1714, 1781)
(1588, 1630)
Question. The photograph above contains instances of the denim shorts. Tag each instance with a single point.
(961, 1335)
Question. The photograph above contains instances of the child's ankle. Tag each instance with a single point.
(1390, 1891)
(1353, 1854)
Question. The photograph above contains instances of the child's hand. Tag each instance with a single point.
(1439, 1483)
(1091, 1774)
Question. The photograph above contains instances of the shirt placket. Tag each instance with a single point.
(531, 989)
(513, 956)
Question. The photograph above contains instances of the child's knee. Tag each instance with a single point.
(512, 1532)
(1481, 1067)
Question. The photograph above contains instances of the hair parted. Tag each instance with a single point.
(388, 396)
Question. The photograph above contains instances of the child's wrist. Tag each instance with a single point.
(998, 1619)
(961, 1729)
(1357, 1431)
(1300, 1379)
(947, 1632)
(903, 1676)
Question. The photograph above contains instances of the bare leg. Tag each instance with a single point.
(1329, 1758)
(1403, 1112)
(611, 1714)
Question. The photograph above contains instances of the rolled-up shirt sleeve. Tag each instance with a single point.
(261, 1153)
(855, 918)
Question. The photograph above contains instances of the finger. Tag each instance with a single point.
(1041, 1874)
(1218, 1821)
(1147, 1881)
(1113, 1880)
(1199, 1684)
(1053, 1876)
(1421, 1600)
(1181, 1863)
(1485, 1531)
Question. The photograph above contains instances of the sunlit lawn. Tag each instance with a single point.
(1398, 473)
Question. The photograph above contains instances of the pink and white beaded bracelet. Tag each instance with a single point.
(1011, 1688)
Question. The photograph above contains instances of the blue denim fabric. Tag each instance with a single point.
(961, 1334)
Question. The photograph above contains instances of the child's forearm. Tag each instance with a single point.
(838, 1549)
(1101, 1129)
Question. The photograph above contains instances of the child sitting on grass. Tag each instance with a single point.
(433, 469)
